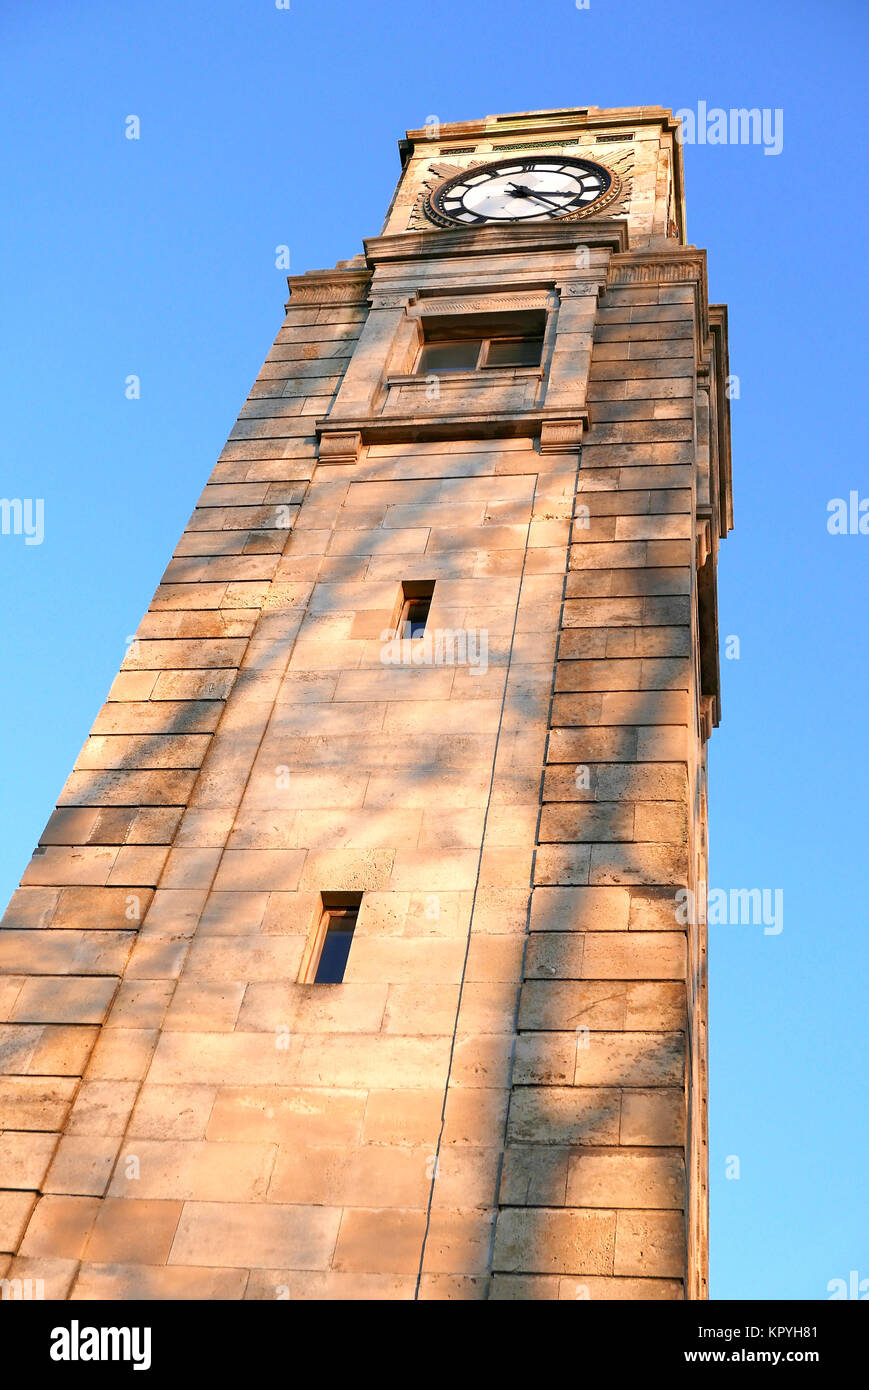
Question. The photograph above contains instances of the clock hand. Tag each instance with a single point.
(520, 191)
(558, 192)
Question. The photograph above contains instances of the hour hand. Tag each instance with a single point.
(520, 191)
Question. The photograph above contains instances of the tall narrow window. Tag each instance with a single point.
(417, 595)
(334, 939)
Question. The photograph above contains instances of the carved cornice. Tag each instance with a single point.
(493, 303)
(328, 287)
(659, 267)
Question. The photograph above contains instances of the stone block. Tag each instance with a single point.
(565, 1115)
(638, 864)
(385, 1241)
(15, 1209)
(650, 1243)
(102, 1108)
(59, 1227)
(626, 1179)
(82, 1165)
(64, 999)
(631, 1059)
(459, 1242)
(374, 1175)
(244, 1235)
(562, 864)
(580, 909)
(196, 1170)
(175, 1112)
(654, 1117)
(546, 1241)
(634, 956)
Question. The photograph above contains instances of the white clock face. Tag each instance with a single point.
(520, 190)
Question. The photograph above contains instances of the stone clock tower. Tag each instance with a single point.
(349, 964)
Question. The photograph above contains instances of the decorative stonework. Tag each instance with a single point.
(615, 201)
(580, 289)
(704, 542)
(560, 436)
(484, 304)
(339, 446)
(390, 301)
(328, 287)
(438, 172)
(656, 269)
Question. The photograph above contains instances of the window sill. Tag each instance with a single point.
(496, 375)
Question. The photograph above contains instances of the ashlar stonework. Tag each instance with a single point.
(505, 1097)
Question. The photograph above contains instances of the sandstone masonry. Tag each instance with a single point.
(506, 1096)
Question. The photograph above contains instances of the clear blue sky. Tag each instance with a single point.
(261, 127)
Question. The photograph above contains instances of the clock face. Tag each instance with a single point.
(522, 190)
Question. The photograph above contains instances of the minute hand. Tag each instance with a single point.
(541, 197)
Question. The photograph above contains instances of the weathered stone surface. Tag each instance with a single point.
(560, 1242)
(650, 1243)
(238, 1235)
(512, 810)
(624, 1179)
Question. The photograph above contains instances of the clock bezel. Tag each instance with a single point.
(436, 213)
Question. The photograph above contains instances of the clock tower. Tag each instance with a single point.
(354, 960)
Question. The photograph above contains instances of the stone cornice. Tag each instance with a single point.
(494, 300)
(492, 240)
(328, 287)
(658, 263)
(545, 122)
(380, 429)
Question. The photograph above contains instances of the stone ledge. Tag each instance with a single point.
(557, 435)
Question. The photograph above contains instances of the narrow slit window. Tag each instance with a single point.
(337, 926)
(415, 606)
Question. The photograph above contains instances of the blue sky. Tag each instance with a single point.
(155, 257)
